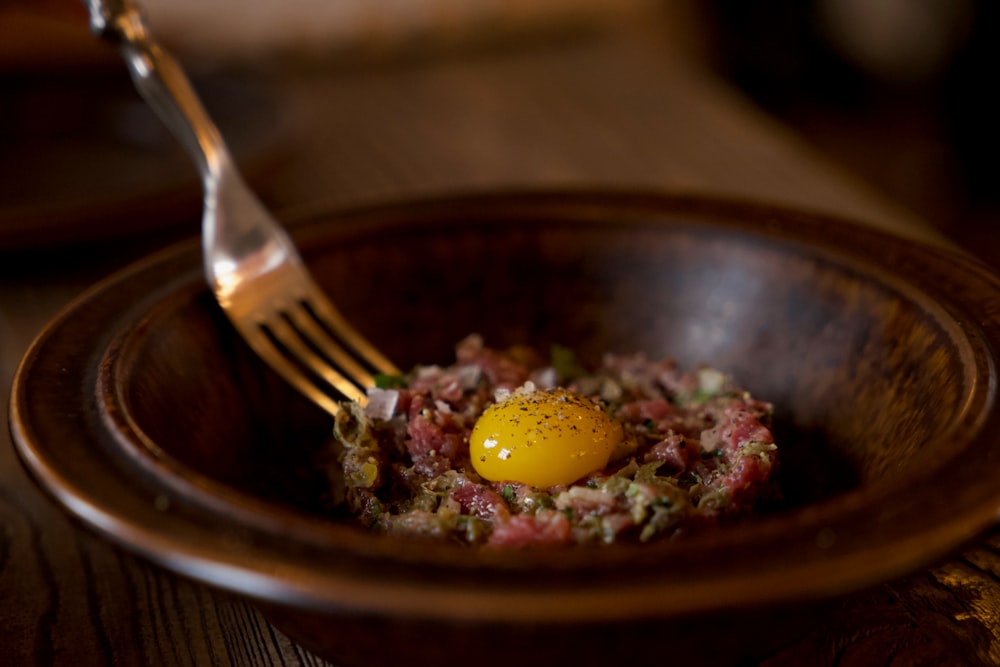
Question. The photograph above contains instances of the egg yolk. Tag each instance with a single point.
(543, 438)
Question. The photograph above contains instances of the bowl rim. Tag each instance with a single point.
(370, 574)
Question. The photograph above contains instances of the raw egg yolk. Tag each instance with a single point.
(543, 438)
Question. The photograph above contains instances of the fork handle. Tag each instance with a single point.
(160, 80)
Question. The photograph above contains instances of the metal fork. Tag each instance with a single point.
(251, 263)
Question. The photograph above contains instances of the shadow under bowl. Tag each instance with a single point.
(144, 414)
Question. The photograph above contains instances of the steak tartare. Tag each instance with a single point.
(662, 451)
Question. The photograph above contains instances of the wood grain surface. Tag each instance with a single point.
(587, 110)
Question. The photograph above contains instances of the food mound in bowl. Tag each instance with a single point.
(506, 448)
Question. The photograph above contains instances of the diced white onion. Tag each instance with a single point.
(432, 371)
(711, 381)
(546, 378)
(610, 390)
(468, 376)
(381, 403)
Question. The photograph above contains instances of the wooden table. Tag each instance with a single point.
(608, 110)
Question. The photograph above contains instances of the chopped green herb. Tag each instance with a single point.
(647, 471)
(616, 485)
(375, 509)
(699, 396)
(565, 362)
(508, 493)
(386, 381)
(544, 501)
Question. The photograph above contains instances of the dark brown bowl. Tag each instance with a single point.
(146, 416)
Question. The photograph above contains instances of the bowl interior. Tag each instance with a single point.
(871, 378)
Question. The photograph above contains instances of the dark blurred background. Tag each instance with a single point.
(900, 92)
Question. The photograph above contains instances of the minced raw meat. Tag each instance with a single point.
(697, 451)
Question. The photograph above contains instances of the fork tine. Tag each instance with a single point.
(298, 346)
(278, 360)
(319, 339)
(306, 339)
(334, 323)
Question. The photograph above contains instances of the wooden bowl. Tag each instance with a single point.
(145, 415)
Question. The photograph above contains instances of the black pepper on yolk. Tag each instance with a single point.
(543, 438)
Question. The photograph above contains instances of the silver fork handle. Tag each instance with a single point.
(161, 82)
(250, 239)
